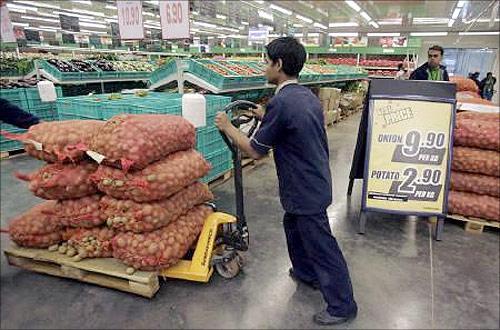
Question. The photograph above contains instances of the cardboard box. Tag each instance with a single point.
(325, 104)
(335, 95)
(324, 93)
(330, 117)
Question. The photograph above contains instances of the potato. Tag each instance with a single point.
(62, 181)
(134, 141)
(157, 181)
(477, 134)
(473, 205)
(152, 251)
(91, 243)
(83, 212)
(127, 215)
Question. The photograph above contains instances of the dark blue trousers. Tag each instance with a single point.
(316, 256)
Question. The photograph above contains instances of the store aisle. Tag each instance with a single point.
(396, 281)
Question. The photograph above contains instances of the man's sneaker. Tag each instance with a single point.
(312, 284)
(325, 318)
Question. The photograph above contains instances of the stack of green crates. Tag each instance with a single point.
(29, 100)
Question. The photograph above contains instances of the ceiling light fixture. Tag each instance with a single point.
(343, 34)
(451, 22)
(266, 15)
(37, 4)
(298, 35)
(260, 2)
(244, 23)
(430, 20)
(374, 24)
(298, 25)
(305, 19)
(195, 13)
(429, 34)
(205, 24)
(102, 26)
(391, 21)
(20, 24)
(15, 10)
(73, 15)
(148, 14)
(219, 16)
(319, 25)
(346, 24)
(314, 34)
(479, 33)
(456, 12)
(365, 15)
(111, 7)
(461, 3)
(95, 32)
(281, 9)
(384, 34)
(353, 5)
(85, 2)
(13, 6)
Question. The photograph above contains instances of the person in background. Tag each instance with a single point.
(13, 115)
(475, 77)
(486, 86)
(401, 74)
(293, 126)
(432, 69)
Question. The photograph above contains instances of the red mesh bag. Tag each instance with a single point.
(476, 161)
(477, 134)
(62, 181)
(81, 212)
(36, 228)
(478, 116)
(473, 100)
(475, 183)
(464, 84)
(58, 141)
(164, 247)
(157, 181)
(127, 215)
(134, 141)
(91, 243)
(473, 205)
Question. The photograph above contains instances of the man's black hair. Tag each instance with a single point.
(438, 48)
(290, 51)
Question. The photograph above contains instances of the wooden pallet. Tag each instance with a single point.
(246, 164)
(106, 272)
(11, 153)
(474, 225)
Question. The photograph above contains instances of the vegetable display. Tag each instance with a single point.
(475, 183)
(478, 161)
(473, 205)
(477, 134)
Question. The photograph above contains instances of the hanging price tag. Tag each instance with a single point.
(174, 17)
(6, 31)
(130, 19)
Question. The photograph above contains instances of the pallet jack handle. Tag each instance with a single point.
(239, 113)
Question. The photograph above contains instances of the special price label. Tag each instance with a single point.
(174, 18)
(6, 31)
(408, 155)
(130, 19)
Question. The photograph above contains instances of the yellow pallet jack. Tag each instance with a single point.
(224, 237)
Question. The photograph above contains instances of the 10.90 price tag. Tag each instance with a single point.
(174, 16)
(130, 19)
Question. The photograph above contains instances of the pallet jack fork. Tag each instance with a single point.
(223, 236)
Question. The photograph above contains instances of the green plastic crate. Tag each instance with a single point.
(221, 163)
(139, 75)
(209, 140)
(6, 144)
(33, 97)
(52, 70)
(45, 112)
(213, 78)
(163, 72)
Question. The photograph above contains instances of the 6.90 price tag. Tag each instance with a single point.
(174, 17)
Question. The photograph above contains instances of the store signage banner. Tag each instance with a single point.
(69, 23)
(130, 20)
(393, 42)
(7, 32)
(408, 155)
(256, 34)
(174, 18)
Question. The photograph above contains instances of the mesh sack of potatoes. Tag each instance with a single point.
(86, 243)
(61, 181)
(135, 141)
(127, 215)
(478, 161)
(164, 247)
(38, 227)
(477, 134)
(473, 205)
(481, 116)
(58, 141)
(82, 212)
(157, 181)
(475, 183)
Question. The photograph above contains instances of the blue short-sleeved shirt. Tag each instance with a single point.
(293, 127)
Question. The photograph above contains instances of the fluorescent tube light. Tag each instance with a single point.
(319, 25)
(20, 7)
(73, 15)
(365, 15)
(20, 24)
(195, 13)
(260, 2)
(36, 4)
(456, 12)
(95, 32)
(205, 24)
(461, 3)
(346, 24)
(305, 19)
(298, 25)
(221, 16)
(451, 22)
(153, 2)
(111, 20)
(343, 34)
(298, 35)
(353, 5)
(15, 10)
(430, 20)
(111, 7)
(265, 15)
(85, 2)
(244, 23)
(384, 34)
(374, 24)
(93, 25)
(281, 9)
(479, 33)
(391, 21)
(428, 34)
(148, 14)
(314, 34)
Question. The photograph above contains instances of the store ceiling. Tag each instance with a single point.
(375, 16)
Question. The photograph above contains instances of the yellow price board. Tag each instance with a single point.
(408, 156)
